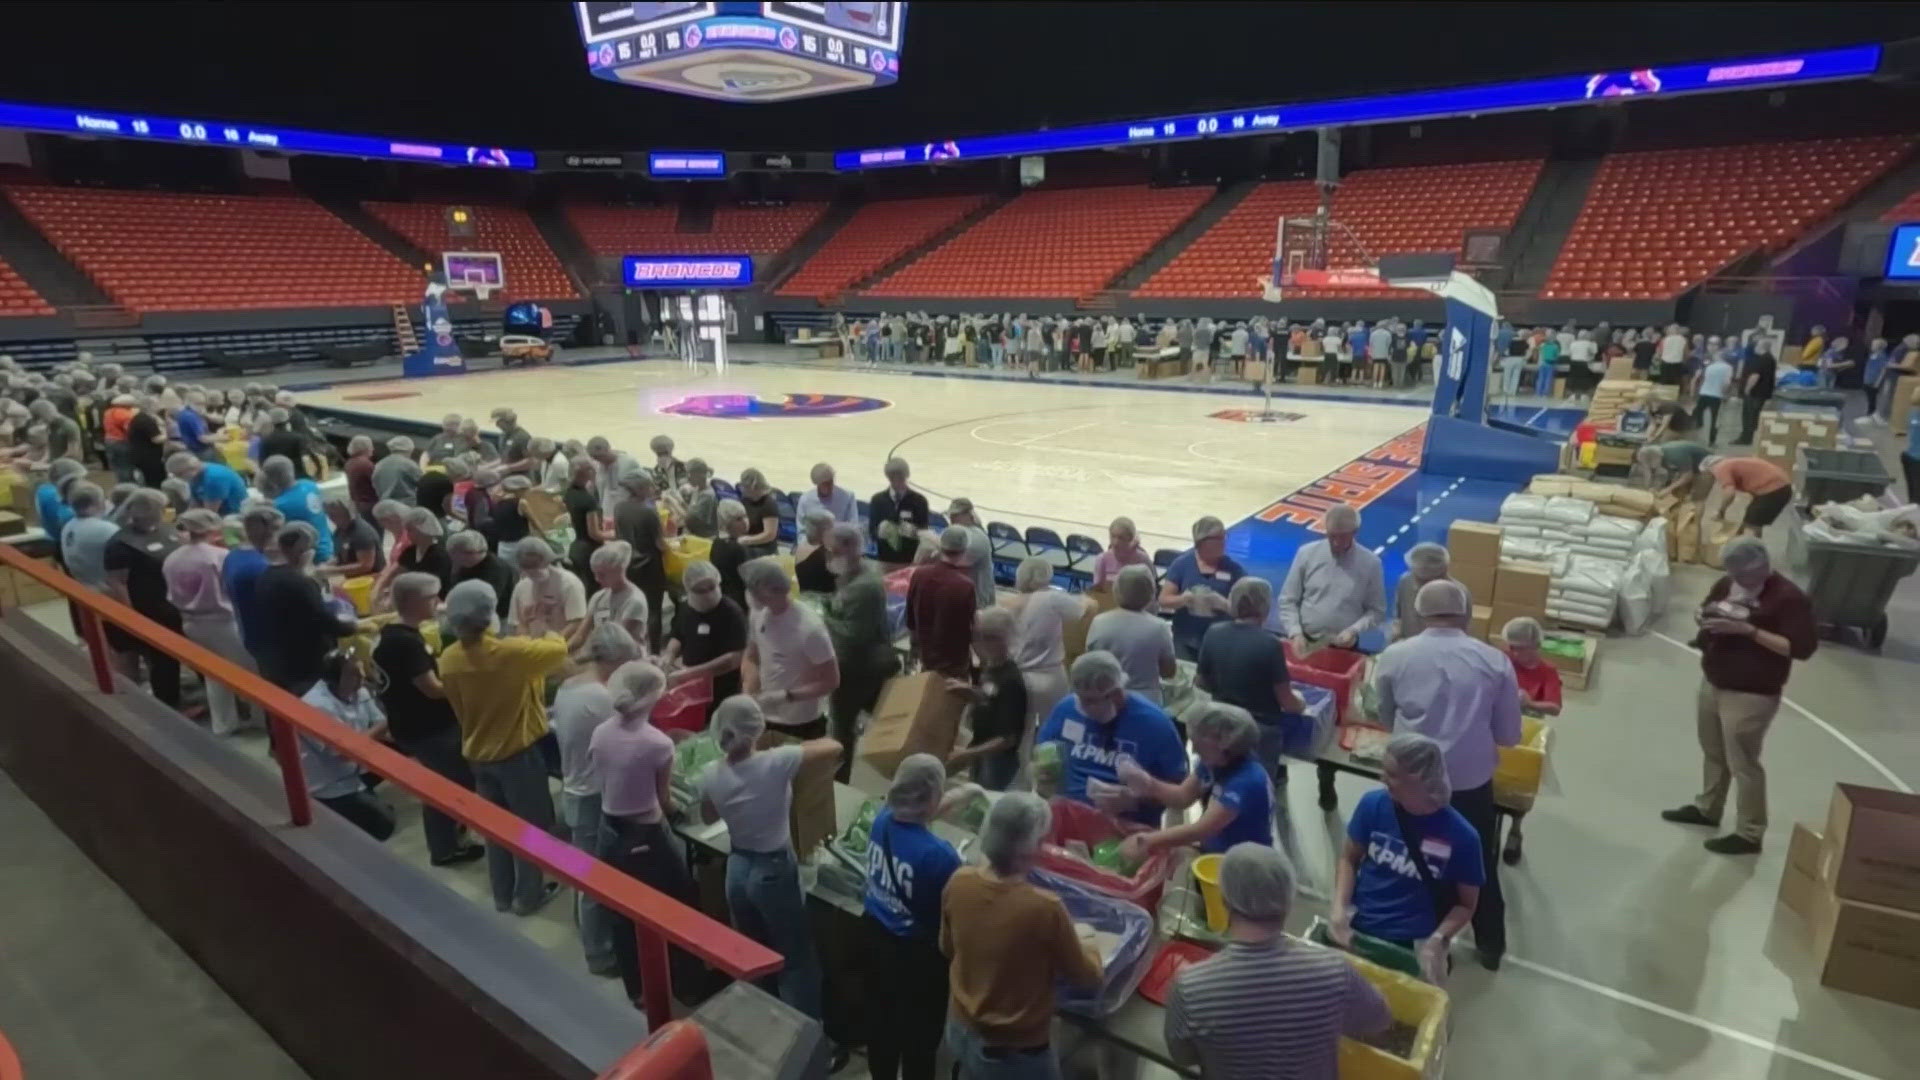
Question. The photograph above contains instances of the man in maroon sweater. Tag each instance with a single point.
(1754, 625)
(940, 608)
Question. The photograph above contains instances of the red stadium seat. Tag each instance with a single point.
(874, 236)
(532, 270)
(760, 231)
(1908, 210)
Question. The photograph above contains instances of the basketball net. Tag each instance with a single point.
(1302, 251)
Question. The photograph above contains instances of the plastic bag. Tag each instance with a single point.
(1123, 968)
(1522, 505)
(1569, 510)
(1636, 595)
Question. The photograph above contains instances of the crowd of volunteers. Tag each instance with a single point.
(517, 655)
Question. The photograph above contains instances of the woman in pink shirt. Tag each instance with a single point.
(1123, 550)
(195, 587)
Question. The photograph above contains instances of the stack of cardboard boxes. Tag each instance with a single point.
(1501, 590)
(1784, 431)
(1858, 886)
(1617, 394)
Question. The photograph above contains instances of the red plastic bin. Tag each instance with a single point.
(1339, 670)
(1077, 821)
(684, 707)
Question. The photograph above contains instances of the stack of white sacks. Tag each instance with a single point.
(1601, 565)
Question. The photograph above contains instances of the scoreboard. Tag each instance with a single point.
(743, 51)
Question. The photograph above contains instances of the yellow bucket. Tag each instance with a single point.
(360, 591)
(1206, 871)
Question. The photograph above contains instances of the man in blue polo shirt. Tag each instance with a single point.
(1099, 722)
(214, 486)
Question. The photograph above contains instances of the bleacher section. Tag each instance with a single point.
(1659, 222)
(633, 230)
(1908, 209)
(17, 297)
(874, 236)
(1066, 242)
(1388, 211)
(532, 270)
(159, 251)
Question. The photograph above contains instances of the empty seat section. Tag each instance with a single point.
(164, 251)
(532, 270)
(874, 236)
(1379, 212)
(17, 297)
(1066, 242)
(760, 231)
(1659, 222)
(1908, 210)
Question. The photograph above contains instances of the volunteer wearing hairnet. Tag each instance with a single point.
(1425, 562)
(790, 666)
(581, 705)
(1238, 791)
(1334, 590)
(1539, 695)
(907, 870)
(1139, 639)
(1093, 726)
(752, 790)
(856, 621)
(1266, 1005)
(709, 636)
(1009, 943)
(997, 710)
(1462, 694)
(1195, 586)
(1412, 870)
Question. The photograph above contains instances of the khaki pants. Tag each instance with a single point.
(1732, 725)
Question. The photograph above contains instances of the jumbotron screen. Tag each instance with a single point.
(744, 51)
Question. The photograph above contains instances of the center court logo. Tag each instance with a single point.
(745, 406)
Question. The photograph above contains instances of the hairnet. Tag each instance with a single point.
(470, 607)
(1208, 527)
(821, 473)
(178, 464)
(896, 469)
(1256, 882)
(993, 622)
(1033, 575)
(413, 586)
(1421, 758)
(1524, 630)
(276, 475)
(698, 571)
(614, 554)
(738, 722)
(198, 522)
(86, 498)
(1441, 598)
(953, 540)
(765, 575)
(467, 540)
(1231, 726)
(1428, 560)
(917, 783)
(815, 523)
(1133, 587)
(294, 536)
(532, 549)
(610, 643)
(1015, 826)
(660, 444)
(1340, 518)
(637, 685)
(1097, 672)
(728, 512)
(425, 522)
(1250, 598)
(846, 538)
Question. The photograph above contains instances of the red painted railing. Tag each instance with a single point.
(10, 1064)
(657, 919)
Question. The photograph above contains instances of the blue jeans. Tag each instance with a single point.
(1510, 378)
(977, 1061)
(767, 904)
(518, 783)
(596, 923)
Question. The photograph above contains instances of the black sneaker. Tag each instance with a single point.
(462, 855)
(551, 890)
(1491, 960)
(1732, 845)
(1688, 815)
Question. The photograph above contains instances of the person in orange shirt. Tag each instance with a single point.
(113, 424)
(1767, 485)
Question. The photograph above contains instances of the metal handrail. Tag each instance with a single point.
(657, 918)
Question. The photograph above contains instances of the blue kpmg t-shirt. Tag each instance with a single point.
(1248, 789)
(218, 483)
(1389, 899)
(301, 502)
(241, 572)
(1089, 750)
(1185, 574)
(907, 870)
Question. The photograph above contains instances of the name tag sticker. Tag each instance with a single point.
(705, 629)
(1221, 575)
(1436, 849)
(1073, 730)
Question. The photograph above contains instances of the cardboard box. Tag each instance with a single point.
(1074, 635)
(543, 508)
(1477, 627)
(1872, 849)
(811, 816)
(1477, 577)
(1620, 368)
(11, 524)
(1800, 879)
(1866, 949)
(1523, 585)
(1475, 542)
(916, 714)
(1103, 598)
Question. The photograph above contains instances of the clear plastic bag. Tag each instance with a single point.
(1125, 966)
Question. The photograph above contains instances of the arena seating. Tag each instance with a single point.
(1387, 211)
(1049, 242)
(874, 236)
(1907, 210)
(17, 297)
(532, 270)
(1659, 222)
(160, 251)
(632, 230)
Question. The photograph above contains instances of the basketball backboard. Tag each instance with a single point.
(481, 273)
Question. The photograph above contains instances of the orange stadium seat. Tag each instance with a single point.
(1908, 209)
(160, 251)
(1659, 222)
(652, 230)
(1382, 211)
(876, 235)
(17, 297)
(1049, 242)
(532, 270)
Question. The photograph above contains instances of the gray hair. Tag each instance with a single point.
(1524, 630)
(914, 794)
(994, 622)
(728, 512)
(1340, 518)
(1097, 672)
(276, 475)
(765, 575)
(821, 473)
(1208, 527)
(954, 540)
(179, 464)
(198, 522)
(390, 508)
(614, 554)
(414, 585)
(1015, 827)
(896, 469)
(466, 540)
(469, 608)
(816, 522)
(400, 444)
(1133, 587)
(610, 643)
(1257, 883)
(532, 546)
(1229, 725)
(261, 522)
(637, 685)
(1033, 575)
(738, 723)
(1421, 758)
(1744, 553)
(144, 508)
(698, 571)
(1428, 560)
(425, 522)
(358, 445)
(1250, 598)
(86, 498)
